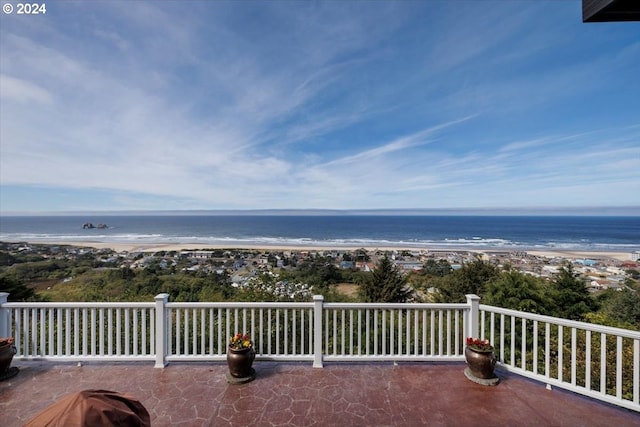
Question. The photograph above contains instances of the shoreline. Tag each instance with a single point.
(175, 246)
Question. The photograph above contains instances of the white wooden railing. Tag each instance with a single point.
(80, 331)
(166, 331)
(597, 361)
(593, 360)
(416, 332)
(314, 331)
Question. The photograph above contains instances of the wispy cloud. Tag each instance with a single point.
(417, 139)
(155, 105)
(22, 91)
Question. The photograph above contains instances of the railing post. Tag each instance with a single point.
(161, 330)
(473, 321)
(4, 315)
(317, 330)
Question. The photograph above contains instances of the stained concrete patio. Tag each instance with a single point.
(295, 394)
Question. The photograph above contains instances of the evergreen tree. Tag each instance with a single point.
(620, 308)
(319, 272)
(17, 290)
(385, 284)
(472, 278)
(517, 291)
(571, 296)
(435, 268)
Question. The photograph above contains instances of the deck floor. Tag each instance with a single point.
(296, 394)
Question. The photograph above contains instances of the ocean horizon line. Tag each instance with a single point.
(533, 211)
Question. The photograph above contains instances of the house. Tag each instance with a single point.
(346, 265)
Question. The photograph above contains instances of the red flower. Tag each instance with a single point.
(478, 344)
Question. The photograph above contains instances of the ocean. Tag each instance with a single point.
(578, 233)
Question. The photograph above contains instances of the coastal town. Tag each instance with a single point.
(600, 270)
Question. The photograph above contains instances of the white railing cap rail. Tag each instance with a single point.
(396, 306)
(36, 305)
(610, 330)
(239, 305)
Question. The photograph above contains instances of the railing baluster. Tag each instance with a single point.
(619, 367)
(127, 332)
(222, 348)
(367, 335)
(400, 335)
(573, 356)
(235, 322)
(603, 363)
(535, 347)
(194, 331)
(502, 332)
(587, 373)
(185, 328)
(85, 328)
(359, 332)
(211, 317)
(277, 331)
(138, 331)
(440, 333)
(560, 352)
(227, 324)
(415, 332)
(34, 331)
(408, 332)
(342, 333)
(523, 345)
(144, 349)
(294, 348)
(547, 350)
(424, 332)
(102, 342)
(513, 341)
(636, 372)
(17, 335)
(286, 331)
(375, 332)
(43, 332)
(244, 320)
(311, 332)
(118, 331)
(335, 332)
(448, 334)
(26, 335)
(456, 335)
(269, 332)
(67, 332)
(93, 339)
(110, 331)
(351, 331)
(493, 328)
(432, 325)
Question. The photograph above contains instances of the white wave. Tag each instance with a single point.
(474, 242)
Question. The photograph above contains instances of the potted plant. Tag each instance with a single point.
(481, 361)
(7, 350)
(240, 356)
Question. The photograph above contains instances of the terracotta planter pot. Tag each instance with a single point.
(240, 362)
(480, 362)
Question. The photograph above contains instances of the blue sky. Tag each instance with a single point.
(140, 105)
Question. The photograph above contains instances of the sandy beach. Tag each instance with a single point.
(151, 247)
